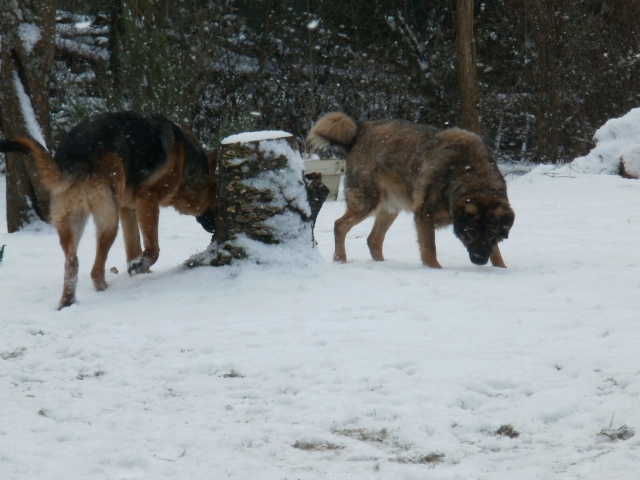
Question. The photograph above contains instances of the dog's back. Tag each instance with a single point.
(143, 142)
(396, 158)
(385, 157)
(388, 155)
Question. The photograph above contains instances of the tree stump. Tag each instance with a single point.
(264, 199)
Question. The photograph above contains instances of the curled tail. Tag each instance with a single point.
(49, 172)
(333, 129)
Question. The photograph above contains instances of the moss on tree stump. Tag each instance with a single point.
(264, 198)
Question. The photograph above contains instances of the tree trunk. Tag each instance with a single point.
(115, 11)
(467, 74)
(263, 199)
(27, 29)
(548, 122)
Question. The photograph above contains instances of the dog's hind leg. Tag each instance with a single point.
(105, 214)
(69, 217)
(384, 220)
(130, 232)
(148, 212)
(496, 258)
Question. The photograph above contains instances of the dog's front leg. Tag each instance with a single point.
(427, 240)
(148, 212)
(496, 258)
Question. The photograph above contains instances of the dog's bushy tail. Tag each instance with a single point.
(49, 171)
(333, 129)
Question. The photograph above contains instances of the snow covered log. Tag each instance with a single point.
(264, 199)
(630, 162)
(615, 142)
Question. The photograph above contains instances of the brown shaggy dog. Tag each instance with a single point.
(444, 177)
(120, 165)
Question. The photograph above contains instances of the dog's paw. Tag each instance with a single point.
(138, 265)
(66, 302)
(432, 264)
(100, 285)
(339, 258)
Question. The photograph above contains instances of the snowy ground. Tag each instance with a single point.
(358, 371)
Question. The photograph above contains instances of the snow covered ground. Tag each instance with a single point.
(358, 371)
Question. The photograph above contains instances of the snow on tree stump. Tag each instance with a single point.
(630, 162)
(264, 201)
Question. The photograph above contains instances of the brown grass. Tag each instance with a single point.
(316, 447)
(96, 374)
(508, 431)
(428, 459)
(18, 352)
(364, 435)
(615, 434)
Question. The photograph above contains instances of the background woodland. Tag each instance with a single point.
(548, 73)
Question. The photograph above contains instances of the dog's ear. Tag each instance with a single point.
(505, 218)
(212, 160)
(464, 208)
(470, 209)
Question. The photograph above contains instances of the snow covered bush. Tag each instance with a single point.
(617, 137)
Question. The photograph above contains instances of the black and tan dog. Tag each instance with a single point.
(120, 165)
(443, 176)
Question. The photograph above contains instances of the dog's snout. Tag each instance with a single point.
(478, 259)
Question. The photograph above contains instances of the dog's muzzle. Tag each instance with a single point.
(478, 258)
(208, 220)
